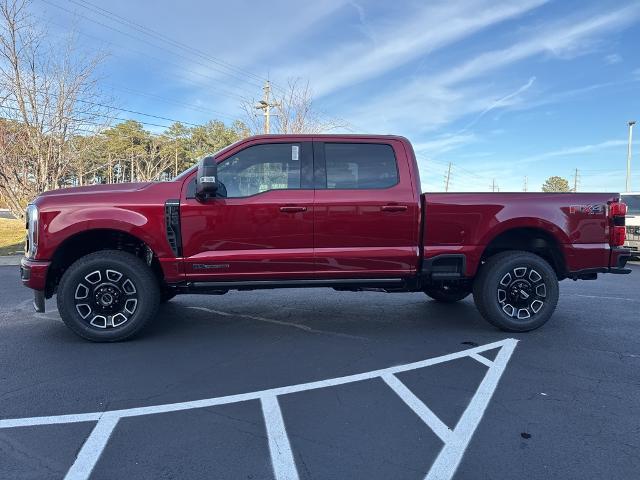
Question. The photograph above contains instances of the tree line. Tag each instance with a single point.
(129, 152)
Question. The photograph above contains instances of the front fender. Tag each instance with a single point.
(58, 226)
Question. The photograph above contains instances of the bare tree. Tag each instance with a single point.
(293, 112)
(48, 96)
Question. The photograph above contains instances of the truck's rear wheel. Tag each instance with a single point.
(447, 293)
(516, 291)
(108, 296)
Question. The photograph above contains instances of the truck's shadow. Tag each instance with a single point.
(203, 316)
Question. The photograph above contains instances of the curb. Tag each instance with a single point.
(11, 260)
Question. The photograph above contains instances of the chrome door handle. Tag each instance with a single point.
(292, 209)
(394, 208)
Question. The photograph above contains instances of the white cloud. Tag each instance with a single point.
(564, 39)
(577, 150)
(443, 143)
(432, 101)
(503, 101)
(613, 58)
(418, 33)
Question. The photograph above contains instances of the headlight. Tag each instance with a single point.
(32, 231)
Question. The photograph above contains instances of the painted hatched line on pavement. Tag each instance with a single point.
(283, 463)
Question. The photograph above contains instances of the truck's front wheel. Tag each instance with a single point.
(516, 291)
(108, 296)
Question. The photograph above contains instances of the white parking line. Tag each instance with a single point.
(481, 359)
(451, 454)
(455, 441)
(284, 466)
(424, 412)
(92, 448)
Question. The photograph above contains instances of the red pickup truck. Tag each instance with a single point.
(336, 211)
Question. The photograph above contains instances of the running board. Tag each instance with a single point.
(335, 283)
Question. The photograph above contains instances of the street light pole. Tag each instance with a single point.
(628, 182)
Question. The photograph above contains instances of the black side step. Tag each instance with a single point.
(263, 284)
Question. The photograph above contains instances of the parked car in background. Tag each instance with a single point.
(632, 199)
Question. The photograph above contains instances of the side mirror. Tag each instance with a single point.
(207, 179)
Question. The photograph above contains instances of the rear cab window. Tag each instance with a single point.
(359, 166)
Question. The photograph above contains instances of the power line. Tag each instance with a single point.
(138, 113)
(111, 16)
(221, 65)
(95, 114)
(154, 33)
(189, 106)
(143, 54)
(135, 112)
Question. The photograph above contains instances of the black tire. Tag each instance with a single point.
(516, 291)
(113, 304)
(447, 293)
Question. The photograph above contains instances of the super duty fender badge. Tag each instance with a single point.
(209, 266)
(595, 209)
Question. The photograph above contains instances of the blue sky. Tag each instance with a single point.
(502, 89)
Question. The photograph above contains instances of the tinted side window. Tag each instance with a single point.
(260, 168)
(360, 165)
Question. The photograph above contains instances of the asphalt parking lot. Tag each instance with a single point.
(318, 384)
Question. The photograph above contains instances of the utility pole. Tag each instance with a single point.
(265, 106)
(494, 186)
(631, 123)
(575, 181)
(175, 167)
(526, 182)
(446, 181)
(132, 169)
(110, 170)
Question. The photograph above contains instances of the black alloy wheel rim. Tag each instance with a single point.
(106, 298)
(522, 292)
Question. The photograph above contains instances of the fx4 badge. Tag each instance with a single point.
(587, 209)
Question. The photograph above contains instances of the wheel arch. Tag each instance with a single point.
(92, 240)
(540, 239)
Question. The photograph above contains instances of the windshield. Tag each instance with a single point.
(633, 203)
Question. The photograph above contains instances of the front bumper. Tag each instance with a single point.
(33, 274)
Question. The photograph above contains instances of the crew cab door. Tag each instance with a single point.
(261, 224)
(367, 215)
